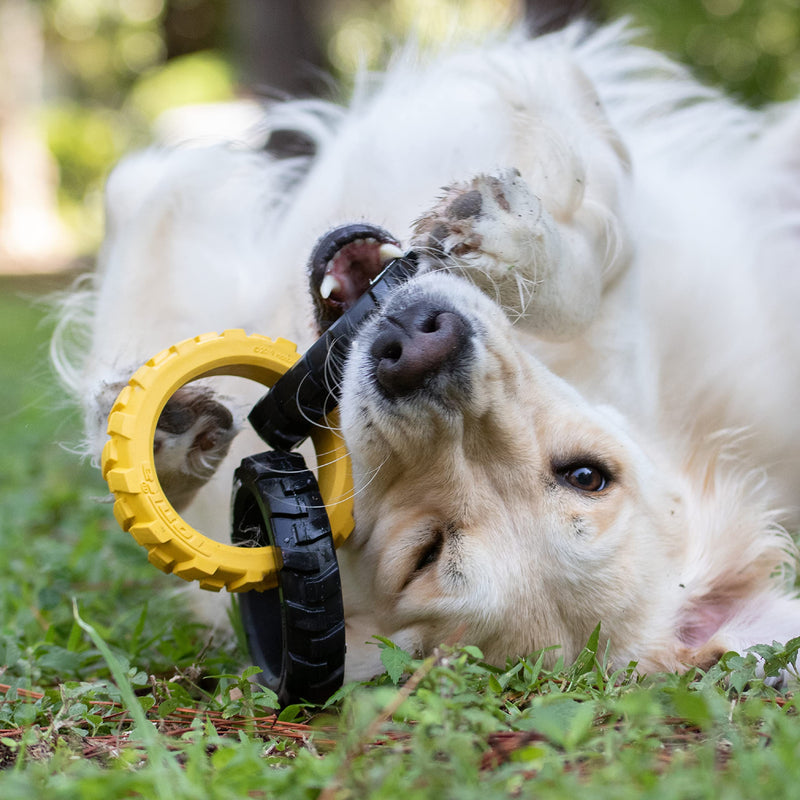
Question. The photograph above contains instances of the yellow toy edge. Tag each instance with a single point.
(142, 508)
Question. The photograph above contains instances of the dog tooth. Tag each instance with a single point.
(330, 284)
(388, 252)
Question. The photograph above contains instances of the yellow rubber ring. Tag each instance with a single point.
(142, 508)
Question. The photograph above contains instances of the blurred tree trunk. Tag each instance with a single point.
(280, 46)
(544, 16)
(193, 26)
(32, 236)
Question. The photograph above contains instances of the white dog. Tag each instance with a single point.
(584, 410)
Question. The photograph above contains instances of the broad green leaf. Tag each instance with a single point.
(395, 662)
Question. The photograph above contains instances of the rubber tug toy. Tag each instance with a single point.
(286, 523)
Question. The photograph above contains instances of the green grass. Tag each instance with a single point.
(113, 692)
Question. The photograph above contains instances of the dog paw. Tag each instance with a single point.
(193, 435)
(494, 230)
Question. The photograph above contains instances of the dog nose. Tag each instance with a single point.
(415, 344)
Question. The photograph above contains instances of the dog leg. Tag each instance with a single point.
(498, 234)
(193, 435)
(184, 254)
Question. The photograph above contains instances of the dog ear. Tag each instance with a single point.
(721, 626)
(707, 628)
(735, 589)
(740, 596)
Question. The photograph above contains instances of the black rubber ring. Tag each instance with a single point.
(295, 632)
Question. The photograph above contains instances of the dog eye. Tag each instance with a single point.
(584, 477)
(430, 553)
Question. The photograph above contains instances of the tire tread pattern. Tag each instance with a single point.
(296, 631)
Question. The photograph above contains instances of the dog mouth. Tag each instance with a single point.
(342, 266)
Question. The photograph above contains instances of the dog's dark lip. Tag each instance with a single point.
(333, 241)
(342, 265)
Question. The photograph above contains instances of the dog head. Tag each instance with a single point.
(496, 506)
(492, 502)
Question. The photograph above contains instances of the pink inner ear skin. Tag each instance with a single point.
(705, 620)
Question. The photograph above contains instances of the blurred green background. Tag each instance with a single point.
(83, 81)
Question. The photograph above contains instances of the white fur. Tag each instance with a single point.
(654, 239)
